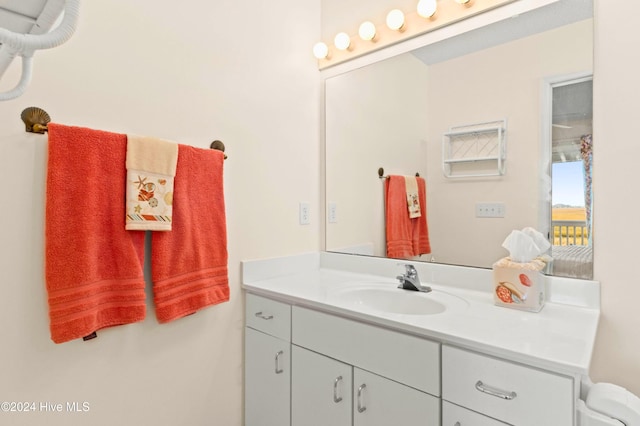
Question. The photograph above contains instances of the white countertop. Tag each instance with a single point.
(559, 338)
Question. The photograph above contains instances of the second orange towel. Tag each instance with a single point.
(189, 264)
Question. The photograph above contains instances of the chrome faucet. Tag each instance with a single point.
(410, 279)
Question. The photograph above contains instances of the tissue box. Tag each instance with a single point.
(519, 285)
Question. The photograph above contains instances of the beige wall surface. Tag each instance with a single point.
(191, 72)
(615, 89)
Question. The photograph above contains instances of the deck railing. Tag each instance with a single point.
(570, 233)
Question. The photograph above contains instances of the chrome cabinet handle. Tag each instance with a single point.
(263, 316)
(495, 391)
(278, 369)
(361, 407)
(336, 398)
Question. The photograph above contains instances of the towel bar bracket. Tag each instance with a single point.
(35, 120)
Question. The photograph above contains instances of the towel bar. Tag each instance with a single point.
(36, 120)
(382, 176)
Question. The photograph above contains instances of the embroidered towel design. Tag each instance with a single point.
(413, 200)
(151, 168)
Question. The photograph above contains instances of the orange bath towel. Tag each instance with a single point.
(406, 237)
(93, 267)
(189, 264)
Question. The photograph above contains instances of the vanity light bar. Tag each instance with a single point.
(399, 26)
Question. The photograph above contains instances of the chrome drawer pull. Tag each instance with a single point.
(263, 316)
(278, 369)
(361, 407)
(336, 398)
(495, 391)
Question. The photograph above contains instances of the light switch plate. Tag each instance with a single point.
(333, 213)
(305, 213)
(490, 210)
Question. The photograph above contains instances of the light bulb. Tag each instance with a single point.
(427, 8)
(320, 50)
(367, 31)
(395, 19)
(342, 41)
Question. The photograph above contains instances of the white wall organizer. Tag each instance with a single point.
(475, 150)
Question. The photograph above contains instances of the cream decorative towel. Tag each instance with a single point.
(151, 168)
(413, 201)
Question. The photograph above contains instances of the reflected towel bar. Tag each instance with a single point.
(36, 120)
(381, 174)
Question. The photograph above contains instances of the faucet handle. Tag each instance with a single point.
(409, 268)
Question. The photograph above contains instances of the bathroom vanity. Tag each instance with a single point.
(331, 340)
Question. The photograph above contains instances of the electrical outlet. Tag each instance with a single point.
(490, 210)
(333, 213)
(305, 214)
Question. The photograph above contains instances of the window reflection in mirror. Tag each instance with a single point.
(571, 175)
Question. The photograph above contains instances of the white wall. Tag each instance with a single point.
(615, 89)
(192, 72)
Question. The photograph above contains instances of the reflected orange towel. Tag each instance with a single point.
(189, 264)
(93, 266)
(405, 237)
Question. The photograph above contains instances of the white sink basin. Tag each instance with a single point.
(390, 299)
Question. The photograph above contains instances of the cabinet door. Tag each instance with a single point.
(320, 390)
(382, 402)
(452, 415)
(267, 380)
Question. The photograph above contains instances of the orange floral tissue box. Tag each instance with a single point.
(519, 285)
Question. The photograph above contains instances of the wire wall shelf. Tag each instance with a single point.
(475, 150)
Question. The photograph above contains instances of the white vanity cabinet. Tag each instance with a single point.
(392, 378)
(267, 362)
(304, 367)
(506, 391)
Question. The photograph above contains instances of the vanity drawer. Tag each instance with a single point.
(407, 359)
(453, 415)
(506, 391)
(268, 316)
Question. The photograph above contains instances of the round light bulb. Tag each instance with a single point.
(427, 8)
(367, 31)
(320, 50)
(395, 19)
(342, 41)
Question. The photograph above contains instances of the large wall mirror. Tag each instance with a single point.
(533, 73)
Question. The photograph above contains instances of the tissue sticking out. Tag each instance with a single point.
(518, 279)
(525, 245)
